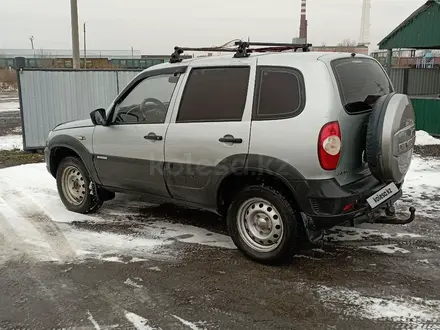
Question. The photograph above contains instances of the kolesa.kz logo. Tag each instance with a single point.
(383, 195)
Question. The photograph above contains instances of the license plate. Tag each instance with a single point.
(382, 195)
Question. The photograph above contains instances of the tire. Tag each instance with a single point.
(76, 197)
(269, 207)
(390, 138)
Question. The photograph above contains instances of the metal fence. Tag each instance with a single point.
(423, 86)
(51, 97)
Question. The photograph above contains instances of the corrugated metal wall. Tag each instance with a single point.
(418, 81)
(124, 77)
(427, 112)
(396, 76)
(50, 97)
(423, 82)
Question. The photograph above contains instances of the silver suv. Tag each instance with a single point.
(283, 144)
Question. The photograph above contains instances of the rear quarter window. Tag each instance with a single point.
(361, 81)
(279, 93)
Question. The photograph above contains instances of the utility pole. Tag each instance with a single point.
(75, 36)
(85, 47)
(132, 52)
(32, 44)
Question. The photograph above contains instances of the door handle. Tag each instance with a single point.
(230, 139)
(153, 137)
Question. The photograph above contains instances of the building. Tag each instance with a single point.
(359, 49)
(95, 59)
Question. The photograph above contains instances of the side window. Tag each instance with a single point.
(147, 102)
(279, 93)
(214, 94)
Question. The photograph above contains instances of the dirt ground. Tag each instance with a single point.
(371, 277)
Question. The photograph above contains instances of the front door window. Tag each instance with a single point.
(147, 102)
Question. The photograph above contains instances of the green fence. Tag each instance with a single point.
(427, 112)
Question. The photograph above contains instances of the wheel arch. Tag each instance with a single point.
(63, 146)
(235, 181)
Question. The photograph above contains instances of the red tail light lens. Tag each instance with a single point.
(329, 146)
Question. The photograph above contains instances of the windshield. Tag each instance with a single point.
(361, 82)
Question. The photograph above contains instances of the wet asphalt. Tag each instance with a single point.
(339, 285)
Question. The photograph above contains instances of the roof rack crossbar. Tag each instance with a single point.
(272, 44)
(242, 49)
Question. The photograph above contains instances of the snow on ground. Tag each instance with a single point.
(138, 322)
(387, 249)
(350, 234)
(10, 142)
(31, 211)
(32, 214)
(423, 138)
(412, 310)
(421, 187)
(9, 105)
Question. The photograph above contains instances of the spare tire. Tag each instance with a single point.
(391, 134)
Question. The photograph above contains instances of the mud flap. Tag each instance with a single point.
(315, 236)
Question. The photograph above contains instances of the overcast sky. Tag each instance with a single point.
(156, 26)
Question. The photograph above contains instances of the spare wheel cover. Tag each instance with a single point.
(391, 135)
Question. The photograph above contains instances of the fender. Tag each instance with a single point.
(73, 144)
(260, 164)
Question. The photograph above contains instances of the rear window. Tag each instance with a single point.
(361, 82)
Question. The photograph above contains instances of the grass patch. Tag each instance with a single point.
(19, 157)
(8, 79)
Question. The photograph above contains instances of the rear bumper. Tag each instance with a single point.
(328, 204)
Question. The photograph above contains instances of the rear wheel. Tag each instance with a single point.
(263, 225)
(73, 185)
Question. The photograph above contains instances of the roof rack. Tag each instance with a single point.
(242, 49)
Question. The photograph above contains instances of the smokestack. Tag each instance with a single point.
(364, 37)
(303, 22)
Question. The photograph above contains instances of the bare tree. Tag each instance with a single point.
(347, 45)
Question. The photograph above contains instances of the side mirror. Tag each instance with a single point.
(98, 117)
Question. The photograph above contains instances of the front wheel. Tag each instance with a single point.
(73, 185)
(263, 225)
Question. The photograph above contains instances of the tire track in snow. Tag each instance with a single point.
(15, 244)
(32, 213)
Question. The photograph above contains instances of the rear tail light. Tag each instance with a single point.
(329, 146)
(349, 207)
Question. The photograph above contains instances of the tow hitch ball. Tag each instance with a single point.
(391, 218)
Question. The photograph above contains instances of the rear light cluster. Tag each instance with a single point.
(329, 146)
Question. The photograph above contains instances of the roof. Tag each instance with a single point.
(226, 59)
(420, 30)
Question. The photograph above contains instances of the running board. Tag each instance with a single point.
(391, 218)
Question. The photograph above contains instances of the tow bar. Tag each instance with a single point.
(391, 218)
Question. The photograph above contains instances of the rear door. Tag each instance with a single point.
(360, 82)
(208, 136)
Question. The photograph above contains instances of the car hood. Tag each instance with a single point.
(74, 124)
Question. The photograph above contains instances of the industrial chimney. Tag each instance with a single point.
(303, 22)
(364, 37)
